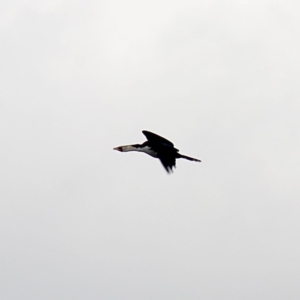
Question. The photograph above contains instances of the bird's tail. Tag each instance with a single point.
(189, 158)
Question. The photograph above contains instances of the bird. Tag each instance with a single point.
(158, 147)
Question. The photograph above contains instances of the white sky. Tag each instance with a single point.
(218, 78)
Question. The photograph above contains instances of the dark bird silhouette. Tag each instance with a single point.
(158, 147)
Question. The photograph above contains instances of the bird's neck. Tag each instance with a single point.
(145, 148)
(128, 148)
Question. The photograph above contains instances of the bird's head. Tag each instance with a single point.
(120, 148)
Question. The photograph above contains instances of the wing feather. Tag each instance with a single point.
(169, 162)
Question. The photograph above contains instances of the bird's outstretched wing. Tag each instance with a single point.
(152, 137)
(169, 162)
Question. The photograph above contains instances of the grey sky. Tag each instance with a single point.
(218, 78)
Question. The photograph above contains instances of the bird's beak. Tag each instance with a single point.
(118, 149)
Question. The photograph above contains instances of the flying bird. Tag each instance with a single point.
(158, 147)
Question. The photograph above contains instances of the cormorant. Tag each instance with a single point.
(157, 147)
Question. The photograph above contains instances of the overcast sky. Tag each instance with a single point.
(218, 78)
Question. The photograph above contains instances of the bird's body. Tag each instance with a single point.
(158, 147)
